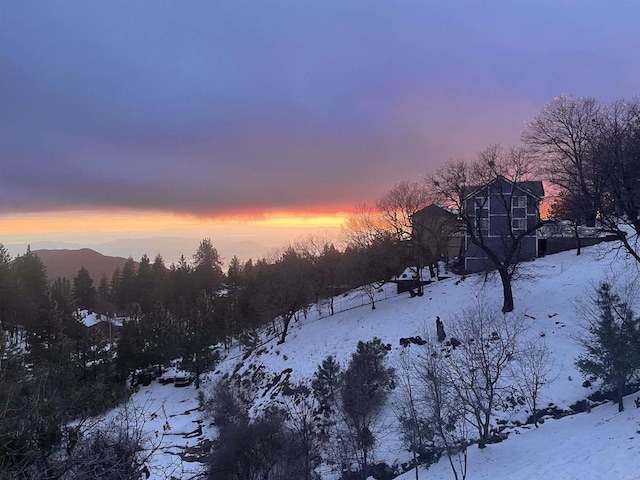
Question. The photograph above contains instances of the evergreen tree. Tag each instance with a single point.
(62, 296)
(159, 271)
(286, 288)
(131, 346)
(367, 383)
(326, 385)
(203, 328)
(613, 351)
(8, 306)
(104, 302)
(236, 283)
(114, 286)
(31, 286)
(178, 283)
(207, 274)
(144, 285)
(84, 291)
(234, 273)
(127, 286)
(159, 331)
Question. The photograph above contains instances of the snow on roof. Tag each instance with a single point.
(89, 319)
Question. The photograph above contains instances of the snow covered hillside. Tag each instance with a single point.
(599, 444)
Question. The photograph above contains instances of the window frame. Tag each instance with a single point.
(515, 221)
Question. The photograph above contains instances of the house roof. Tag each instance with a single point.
(532, 187)
(434, 209)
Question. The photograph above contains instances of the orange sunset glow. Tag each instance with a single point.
(27, 225)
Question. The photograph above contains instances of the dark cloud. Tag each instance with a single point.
(221, 107)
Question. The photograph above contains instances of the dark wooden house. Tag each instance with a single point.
(496, 214)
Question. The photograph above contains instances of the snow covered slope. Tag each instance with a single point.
(601, 444)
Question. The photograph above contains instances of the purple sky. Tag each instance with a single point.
(224, 107)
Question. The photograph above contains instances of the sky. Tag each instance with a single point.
(252, 118)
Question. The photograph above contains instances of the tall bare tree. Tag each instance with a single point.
(498, 169)
(438, 411)
(287, 287)
(617, 150)
(561, 137)
(397, 209)
(489, 341)
(372, 252)
(398, 205)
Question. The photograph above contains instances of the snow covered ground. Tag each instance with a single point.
(602, 444)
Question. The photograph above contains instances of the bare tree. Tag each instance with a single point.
(488, 342)
(397, 209)
(287, 287)
(119, 448)
(326, 272)
(496, 174)
(439, 404)
(363, 227)
(561, 137)
(300, 407)
(372, 253)
(617, 150)
(434, 229)
(398, 205)
(533, 370)
(567, 207)
(415, 431)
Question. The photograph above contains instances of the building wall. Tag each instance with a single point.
(498, 236)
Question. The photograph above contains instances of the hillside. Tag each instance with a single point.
(597, 445)
(66, 263)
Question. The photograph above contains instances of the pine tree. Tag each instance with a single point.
(144, 285)
(367, 383)
(83, 290)
(62, 296)
(207, 273)
(203, 328)
(613, 351)
(326, 385)
(126, 287)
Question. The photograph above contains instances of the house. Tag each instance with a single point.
(500, 215)
(437, 234)
(102, 328)
(438, 231)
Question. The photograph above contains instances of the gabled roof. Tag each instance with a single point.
(531, 187)
(435, 210)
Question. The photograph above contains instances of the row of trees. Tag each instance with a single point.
(62, 370)
(45, 380)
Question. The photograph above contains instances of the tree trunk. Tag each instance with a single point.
(620, 394)
(197, 370)
(578, 240)
(286, 320)
(507, 291)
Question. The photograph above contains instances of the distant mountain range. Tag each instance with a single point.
(171, 248)
(67, 263)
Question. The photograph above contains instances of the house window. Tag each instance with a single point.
(482, 203)
(518, 202)
(519, 223)
(482, 214)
